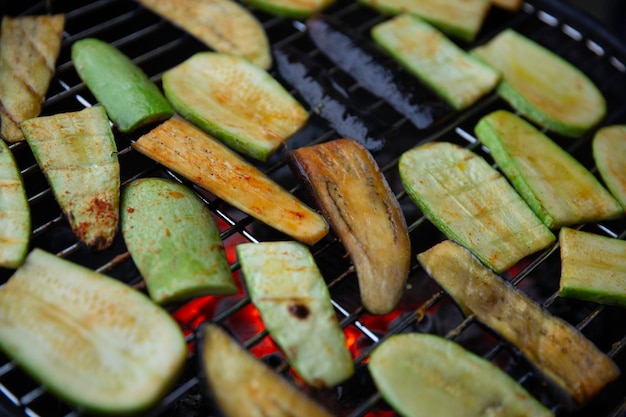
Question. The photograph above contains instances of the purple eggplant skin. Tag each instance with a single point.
(312, 83)
(372, 70)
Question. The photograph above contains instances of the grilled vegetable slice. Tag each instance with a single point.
(593, 267)
(29, 47)
(124, 90)
(242, 385)
(14, 212)
(543, 86)
(556, 348)
(456, 76)
(472, 204)
(222, 25)
(295, 9)
(78, 155)
(355, 198)
(202, 159)
(559, 189)
(289, 291)
(462, 19)
(609, 153)
(174, 241)
(415, 372)
(93, 341)
(235, 101)
(508, 4)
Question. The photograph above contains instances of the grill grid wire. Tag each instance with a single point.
(156, 46)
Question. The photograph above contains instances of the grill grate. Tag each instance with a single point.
(156, 46)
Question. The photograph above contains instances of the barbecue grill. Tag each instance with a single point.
(156, 45)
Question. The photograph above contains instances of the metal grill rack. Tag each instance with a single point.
(156, 46)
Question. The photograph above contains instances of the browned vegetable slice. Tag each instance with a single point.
(507, 4)
(362, 210)
(29, 47)
(555, 347)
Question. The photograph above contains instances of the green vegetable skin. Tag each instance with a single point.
(542, 86)
(14, 212)
(555, 347)
(472, 204)
(93, 341)
(556, 186)
(78, 155)
(293, 9)
(235, 101)
(593, 267)
(448, 70)
(415, 372)
(609, 153)
(174, 241)
(288, 289)
(121, 87)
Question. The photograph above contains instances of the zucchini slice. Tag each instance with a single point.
(120, 86)
(29, 47)
(609, 153)
(462, 19)
(289, 291)
(242, 385)
(174, 241)
(593, 267)
(90, 339)
(472, 204)
(78, 155)
(195, 155)
(543, 86)
(293, 9)
(559, 189)
(235, 101)
(453, 74)
(555, 347)
(15, 225)
(415, 372)
(222, 25)
(362, 210)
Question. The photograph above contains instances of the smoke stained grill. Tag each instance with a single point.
(156, 46)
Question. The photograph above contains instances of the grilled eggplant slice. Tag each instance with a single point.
(223, 25)
(242, 385)
(29, 47)
(472, 204)
(456, 76)
(512, 5)
(174, 241)
(559, 189)
(555, 347)
(195, 155)
(364, 213)
(593, 267)
(609, 153)
(14, 212)
(415, 372)
(122, 88)
(542, 86)
(289, 291)
(294, 9)
(235, 101)
(93, 341)
(78, 155)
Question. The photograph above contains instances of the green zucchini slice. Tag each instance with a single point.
(289, 291)
(91, 340)
(78, 155)
(456, 76)
(235, 101)
(415, 374)
(293, 9)
(174, 241)
(542, 86)
(15, 224)
(559, 189)
(120, 86)
(593, 267)
(556, 348)
(472, 204)
(609, 153)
